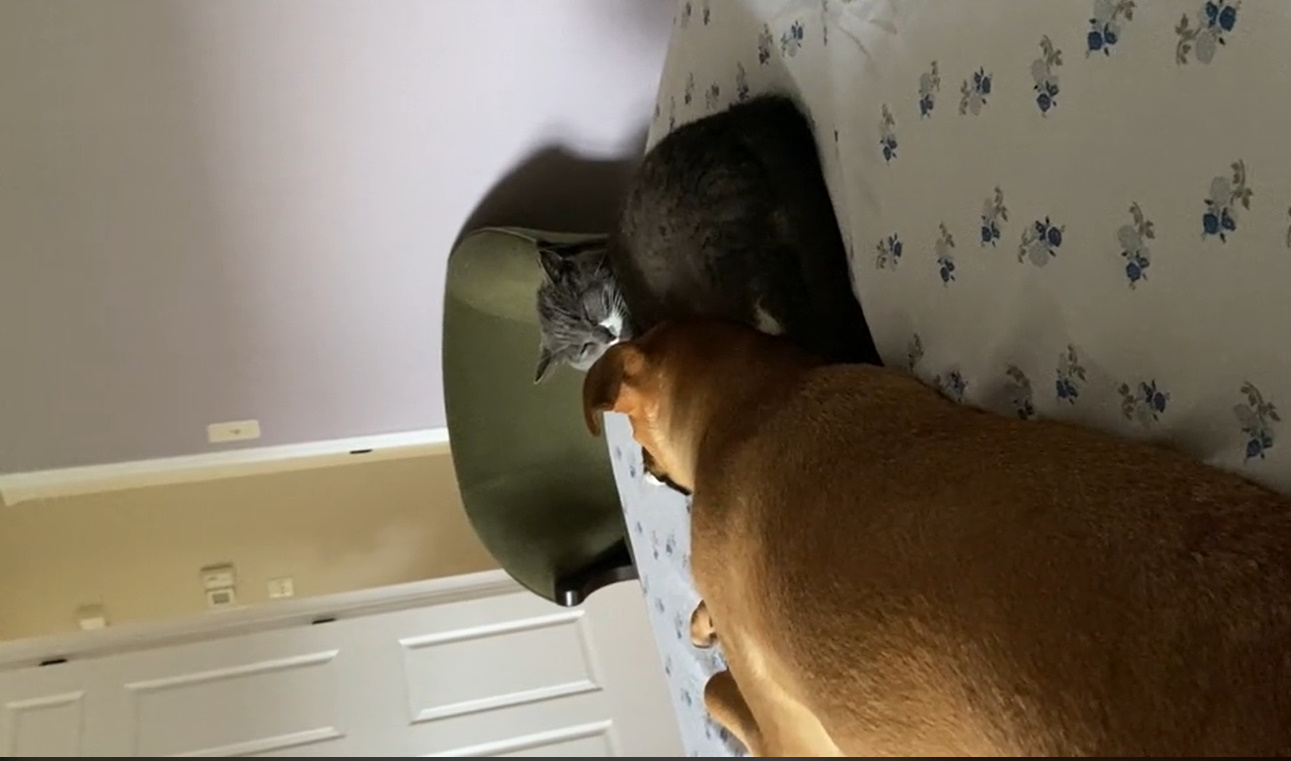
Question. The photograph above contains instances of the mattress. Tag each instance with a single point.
(1076, 211)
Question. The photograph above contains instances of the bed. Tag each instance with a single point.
(1076, 210)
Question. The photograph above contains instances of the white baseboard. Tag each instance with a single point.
(260, 617)
(17, 488)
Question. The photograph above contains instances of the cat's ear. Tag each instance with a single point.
(553, 264)
(545, 366)
(611, 383)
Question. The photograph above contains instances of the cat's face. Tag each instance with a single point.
(580, 310)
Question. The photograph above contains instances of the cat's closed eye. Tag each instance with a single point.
(580, 310)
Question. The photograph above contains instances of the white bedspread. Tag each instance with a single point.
(1076, 210)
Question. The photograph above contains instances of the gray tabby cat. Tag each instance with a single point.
(580, 310)
(727, 216)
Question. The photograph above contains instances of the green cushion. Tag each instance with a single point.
(537, 487)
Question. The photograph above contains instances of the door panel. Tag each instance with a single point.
(506, 675)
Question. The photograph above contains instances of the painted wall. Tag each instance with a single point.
(138, 553)
(214, 211)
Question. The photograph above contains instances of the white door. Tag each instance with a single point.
(501, 675)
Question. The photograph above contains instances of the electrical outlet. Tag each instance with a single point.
(283, 587)
(221, 598)
(237, 430)
(91, 617)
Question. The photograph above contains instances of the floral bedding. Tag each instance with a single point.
(1077, 210)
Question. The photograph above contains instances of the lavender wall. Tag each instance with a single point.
(214, 211)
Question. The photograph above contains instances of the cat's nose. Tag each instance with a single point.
(605, 334)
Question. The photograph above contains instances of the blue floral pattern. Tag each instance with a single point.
(1143, 402)
(1133, 239)
(929, 86)
(1040, 242)
(791, 39)
(1070, 377)
(1042, 73)
(889, 252)
(973, 92)
(712, 97)
(1018, 389)
(888, 134)
(1220, 217)
(1082, 152)
(741, 83)
(679, 626)
(1203, 36)
(765, 41)
(1105, 25)
(1256, 418)
(945, 258)
(993, 213)
(952, 384)
(914, 352)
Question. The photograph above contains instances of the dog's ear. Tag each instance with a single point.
(614, 374)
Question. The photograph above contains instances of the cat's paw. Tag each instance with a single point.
(652, 479)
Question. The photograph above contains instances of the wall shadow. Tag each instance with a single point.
(557, 190)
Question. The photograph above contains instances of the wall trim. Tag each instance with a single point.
(17, 488)
(275, 614)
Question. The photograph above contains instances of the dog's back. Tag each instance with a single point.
(929, 579)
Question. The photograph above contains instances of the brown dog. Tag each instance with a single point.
(890, 573)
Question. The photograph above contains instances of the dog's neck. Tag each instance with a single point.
(710, 402)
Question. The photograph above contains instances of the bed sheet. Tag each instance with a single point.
(1076, 210)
